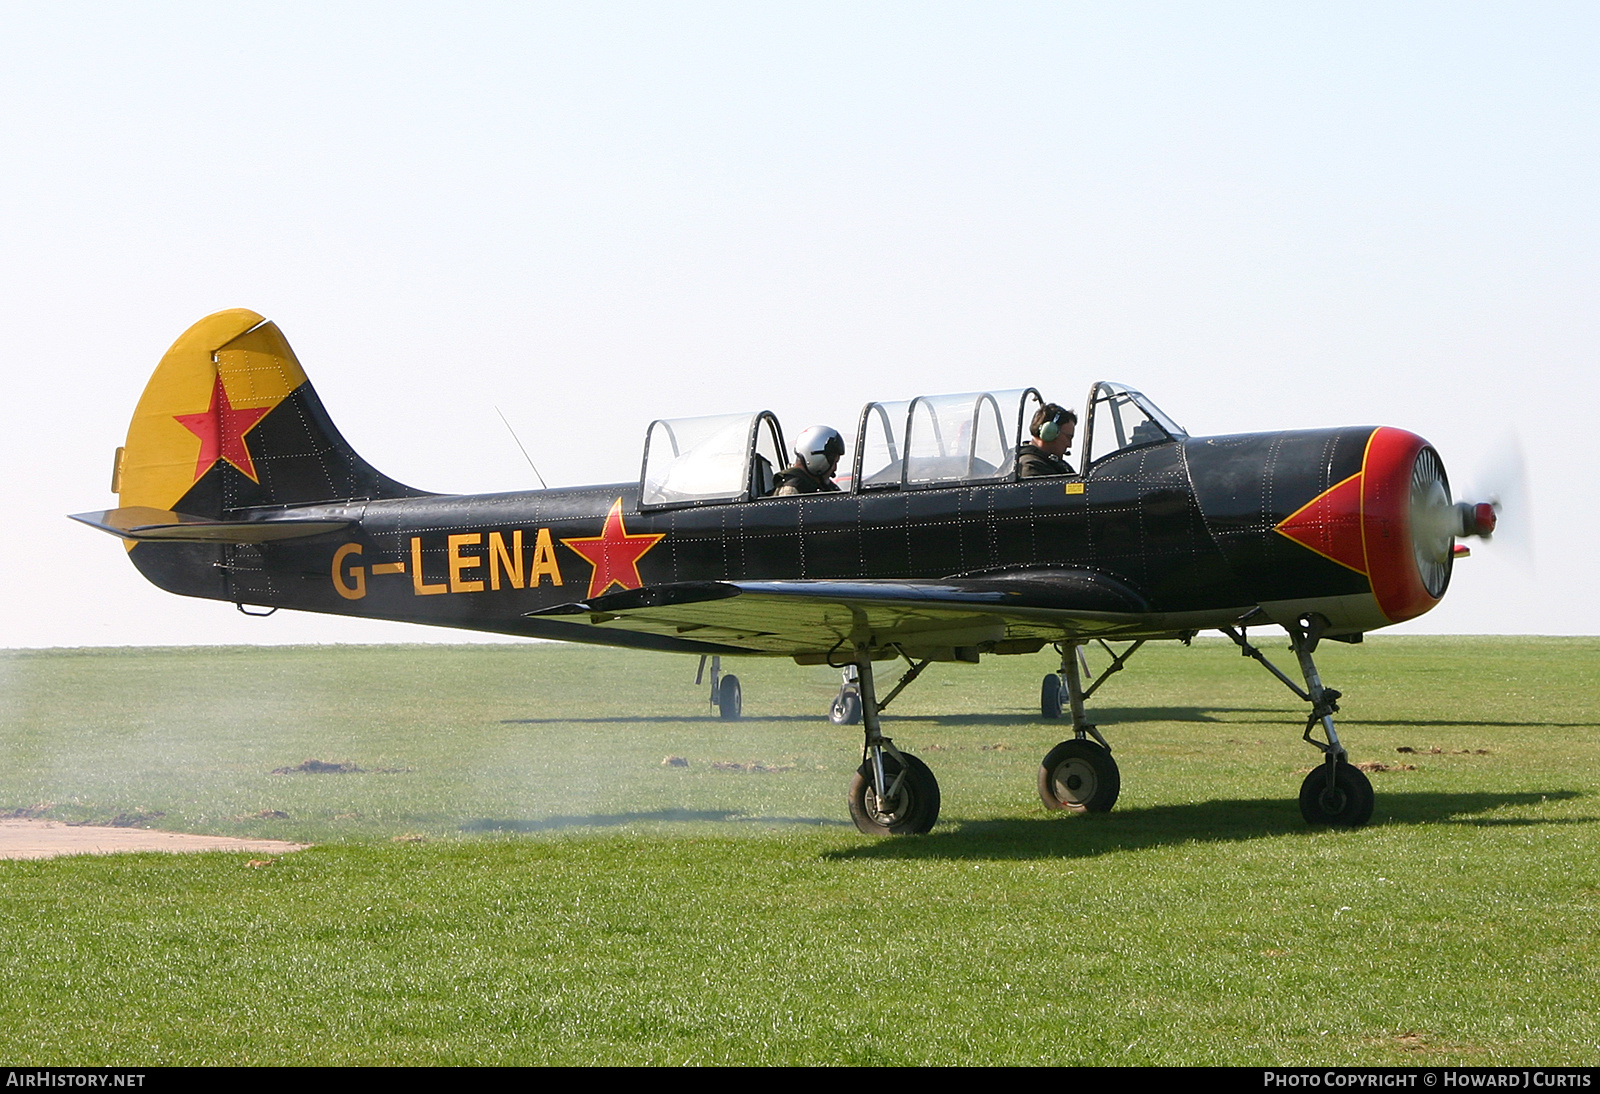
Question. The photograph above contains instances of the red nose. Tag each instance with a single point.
(1408, 565)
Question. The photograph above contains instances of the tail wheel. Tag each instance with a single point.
(913, 809)
(1345, 804)
(1080, 777)
(730, 701)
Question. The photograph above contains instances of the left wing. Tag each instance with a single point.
(942, 619)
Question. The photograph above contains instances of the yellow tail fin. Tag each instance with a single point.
(229, 422)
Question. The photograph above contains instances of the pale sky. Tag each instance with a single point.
(1264, 216)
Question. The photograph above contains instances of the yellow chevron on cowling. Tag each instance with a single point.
(257, 369)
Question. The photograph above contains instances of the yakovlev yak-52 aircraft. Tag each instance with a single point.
(235, 485)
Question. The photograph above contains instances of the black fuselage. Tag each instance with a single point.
(1188, 526)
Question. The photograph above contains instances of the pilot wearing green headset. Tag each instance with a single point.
(1053, 427)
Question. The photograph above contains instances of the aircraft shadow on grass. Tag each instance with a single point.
(1464, 722)
(654, 719)
(1230, 820)
(618, 820)
(1107, 716)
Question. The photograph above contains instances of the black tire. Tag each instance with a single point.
(1079, 776)
(915, 812)
(1050, 696)
(730, 701)
(845, 709)
(1347, 804)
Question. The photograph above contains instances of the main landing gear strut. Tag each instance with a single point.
(1336, 792)
(893, 792)
(727, 700)
(1079, 775)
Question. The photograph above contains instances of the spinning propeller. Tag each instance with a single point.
(1503, 480)
(1502, 515)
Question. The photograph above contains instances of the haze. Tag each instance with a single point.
(1264, 216)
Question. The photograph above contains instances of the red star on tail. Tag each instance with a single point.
(221, 429)
(614, 553)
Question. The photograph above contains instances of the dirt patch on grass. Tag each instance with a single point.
(22, 837)
(325, 767)
(1435, 750)
(1428, 1044)
(319, 767)
(121, 820)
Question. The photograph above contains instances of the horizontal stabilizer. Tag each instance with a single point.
(144, 524)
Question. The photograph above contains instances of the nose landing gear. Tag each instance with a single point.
(1335, 793)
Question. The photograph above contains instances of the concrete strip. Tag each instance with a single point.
(47, 839)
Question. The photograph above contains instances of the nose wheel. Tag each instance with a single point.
(1336, 794)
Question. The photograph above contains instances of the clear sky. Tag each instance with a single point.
(1265, 216)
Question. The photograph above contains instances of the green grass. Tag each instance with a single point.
(571, 900)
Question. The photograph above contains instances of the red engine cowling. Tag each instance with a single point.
(1408, 524)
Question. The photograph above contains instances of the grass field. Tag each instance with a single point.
(515, 877)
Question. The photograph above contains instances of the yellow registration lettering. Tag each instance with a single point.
(356, 586)
(544, 560)
(512, 561)
(459, 562)
(417, 584)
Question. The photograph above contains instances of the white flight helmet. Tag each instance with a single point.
(818, 447)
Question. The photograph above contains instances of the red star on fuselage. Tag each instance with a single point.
(221, 429)
(614, 553)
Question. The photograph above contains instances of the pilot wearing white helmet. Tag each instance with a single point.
(816, 459)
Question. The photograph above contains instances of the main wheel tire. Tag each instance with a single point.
(1346, 804)
(915, 809)
(730, 700)
(845, 709)
(1079, 776)
(1050, 696)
